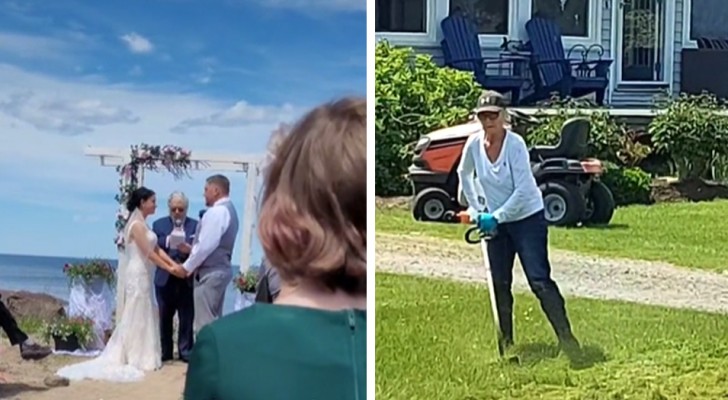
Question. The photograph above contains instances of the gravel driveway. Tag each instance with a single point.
(577, 275)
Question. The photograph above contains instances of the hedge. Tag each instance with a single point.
(413, 96)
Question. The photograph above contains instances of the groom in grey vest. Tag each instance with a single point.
(209, 262)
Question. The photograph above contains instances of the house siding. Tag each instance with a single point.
(606, 31)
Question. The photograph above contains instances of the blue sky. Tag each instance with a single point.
(212, 76)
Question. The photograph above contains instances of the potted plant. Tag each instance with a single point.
(69, 334)
(246, 285)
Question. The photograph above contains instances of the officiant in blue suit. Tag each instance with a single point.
(174, 295)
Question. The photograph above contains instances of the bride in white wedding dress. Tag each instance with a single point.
(134, 347)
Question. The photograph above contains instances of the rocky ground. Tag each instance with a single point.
(577, 275)
(36, 305)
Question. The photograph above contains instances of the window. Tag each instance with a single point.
(572, 15)
(401, 16)
(417, 22)
(490, 16)
(708, 19)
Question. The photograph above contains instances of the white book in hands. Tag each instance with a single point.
(176, 238)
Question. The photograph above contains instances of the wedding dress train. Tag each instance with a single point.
(134, 347)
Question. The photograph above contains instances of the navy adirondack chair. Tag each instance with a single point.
(553, 71)
(461, 50)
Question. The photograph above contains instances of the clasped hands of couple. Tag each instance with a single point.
(176, 268)
(485, 222)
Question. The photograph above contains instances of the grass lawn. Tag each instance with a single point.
(686, 234)
(435, 340)
(31, 326)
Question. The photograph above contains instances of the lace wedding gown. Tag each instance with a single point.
(134, 346)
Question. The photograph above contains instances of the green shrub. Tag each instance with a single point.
(609, 140)
(413, 96)
(629, 185)
(692, 134)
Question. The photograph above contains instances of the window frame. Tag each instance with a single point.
(519, 12)
(594, 25)
(418, 39)
(687, 42)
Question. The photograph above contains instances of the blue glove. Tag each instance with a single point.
(486, 223)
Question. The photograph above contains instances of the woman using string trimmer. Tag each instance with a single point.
(513, 219)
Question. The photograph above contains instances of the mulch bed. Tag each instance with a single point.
(672, 190)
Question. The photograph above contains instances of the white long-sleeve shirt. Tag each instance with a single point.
(510, 189)
(212, 226)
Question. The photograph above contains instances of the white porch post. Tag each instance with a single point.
(249, 217)
(140, 177)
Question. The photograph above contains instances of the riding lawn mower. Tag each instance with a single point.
(568, 179)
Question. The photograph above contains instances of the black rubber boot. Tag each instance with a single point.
(553, 306)
(504, 305)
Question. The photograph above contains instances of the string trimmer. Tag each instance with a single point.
(474, 236)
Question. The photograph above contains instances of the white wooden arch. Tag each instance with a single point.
(248, 164)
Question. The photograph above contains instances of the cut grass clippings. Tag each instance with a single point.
(435, 340)
(685, 234)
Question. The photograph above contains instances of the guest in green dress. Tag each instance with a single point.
(311, 342)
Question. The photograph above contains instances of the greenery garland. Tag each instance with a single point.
(90, 270)
(174, 159)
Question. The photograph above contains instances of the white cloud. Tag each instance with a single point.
(240, 114)
(137, 43)
(64, 115)
(32, 47)
(37, 164)
(332, 5)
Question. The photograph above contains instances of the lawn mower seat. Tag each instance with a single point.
(573, 143)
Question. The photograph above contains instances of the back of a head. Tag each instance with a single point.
(221, 181)
(313, 219)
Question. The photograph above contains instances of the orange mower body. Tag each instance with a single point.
(568, 178)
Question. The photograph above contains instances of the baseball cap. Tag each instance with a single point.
(490, 101)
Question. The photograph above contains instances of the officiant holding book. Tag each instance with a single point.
(175, 234)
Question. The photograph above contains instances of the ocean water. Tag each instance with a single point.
(45, 275)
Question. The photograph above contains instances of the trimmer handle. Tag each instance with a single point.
(473, 235)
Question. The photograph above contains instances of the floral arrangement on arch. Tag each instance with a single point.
(90, 270)
(247, 282)
(174, 159)
(64, 327)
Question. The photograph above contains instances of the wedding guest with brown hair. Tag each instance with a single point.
(313, 231)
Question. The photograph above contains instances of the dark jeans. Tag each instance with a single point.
(10, 326)
(529, 239)
(176, 297)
